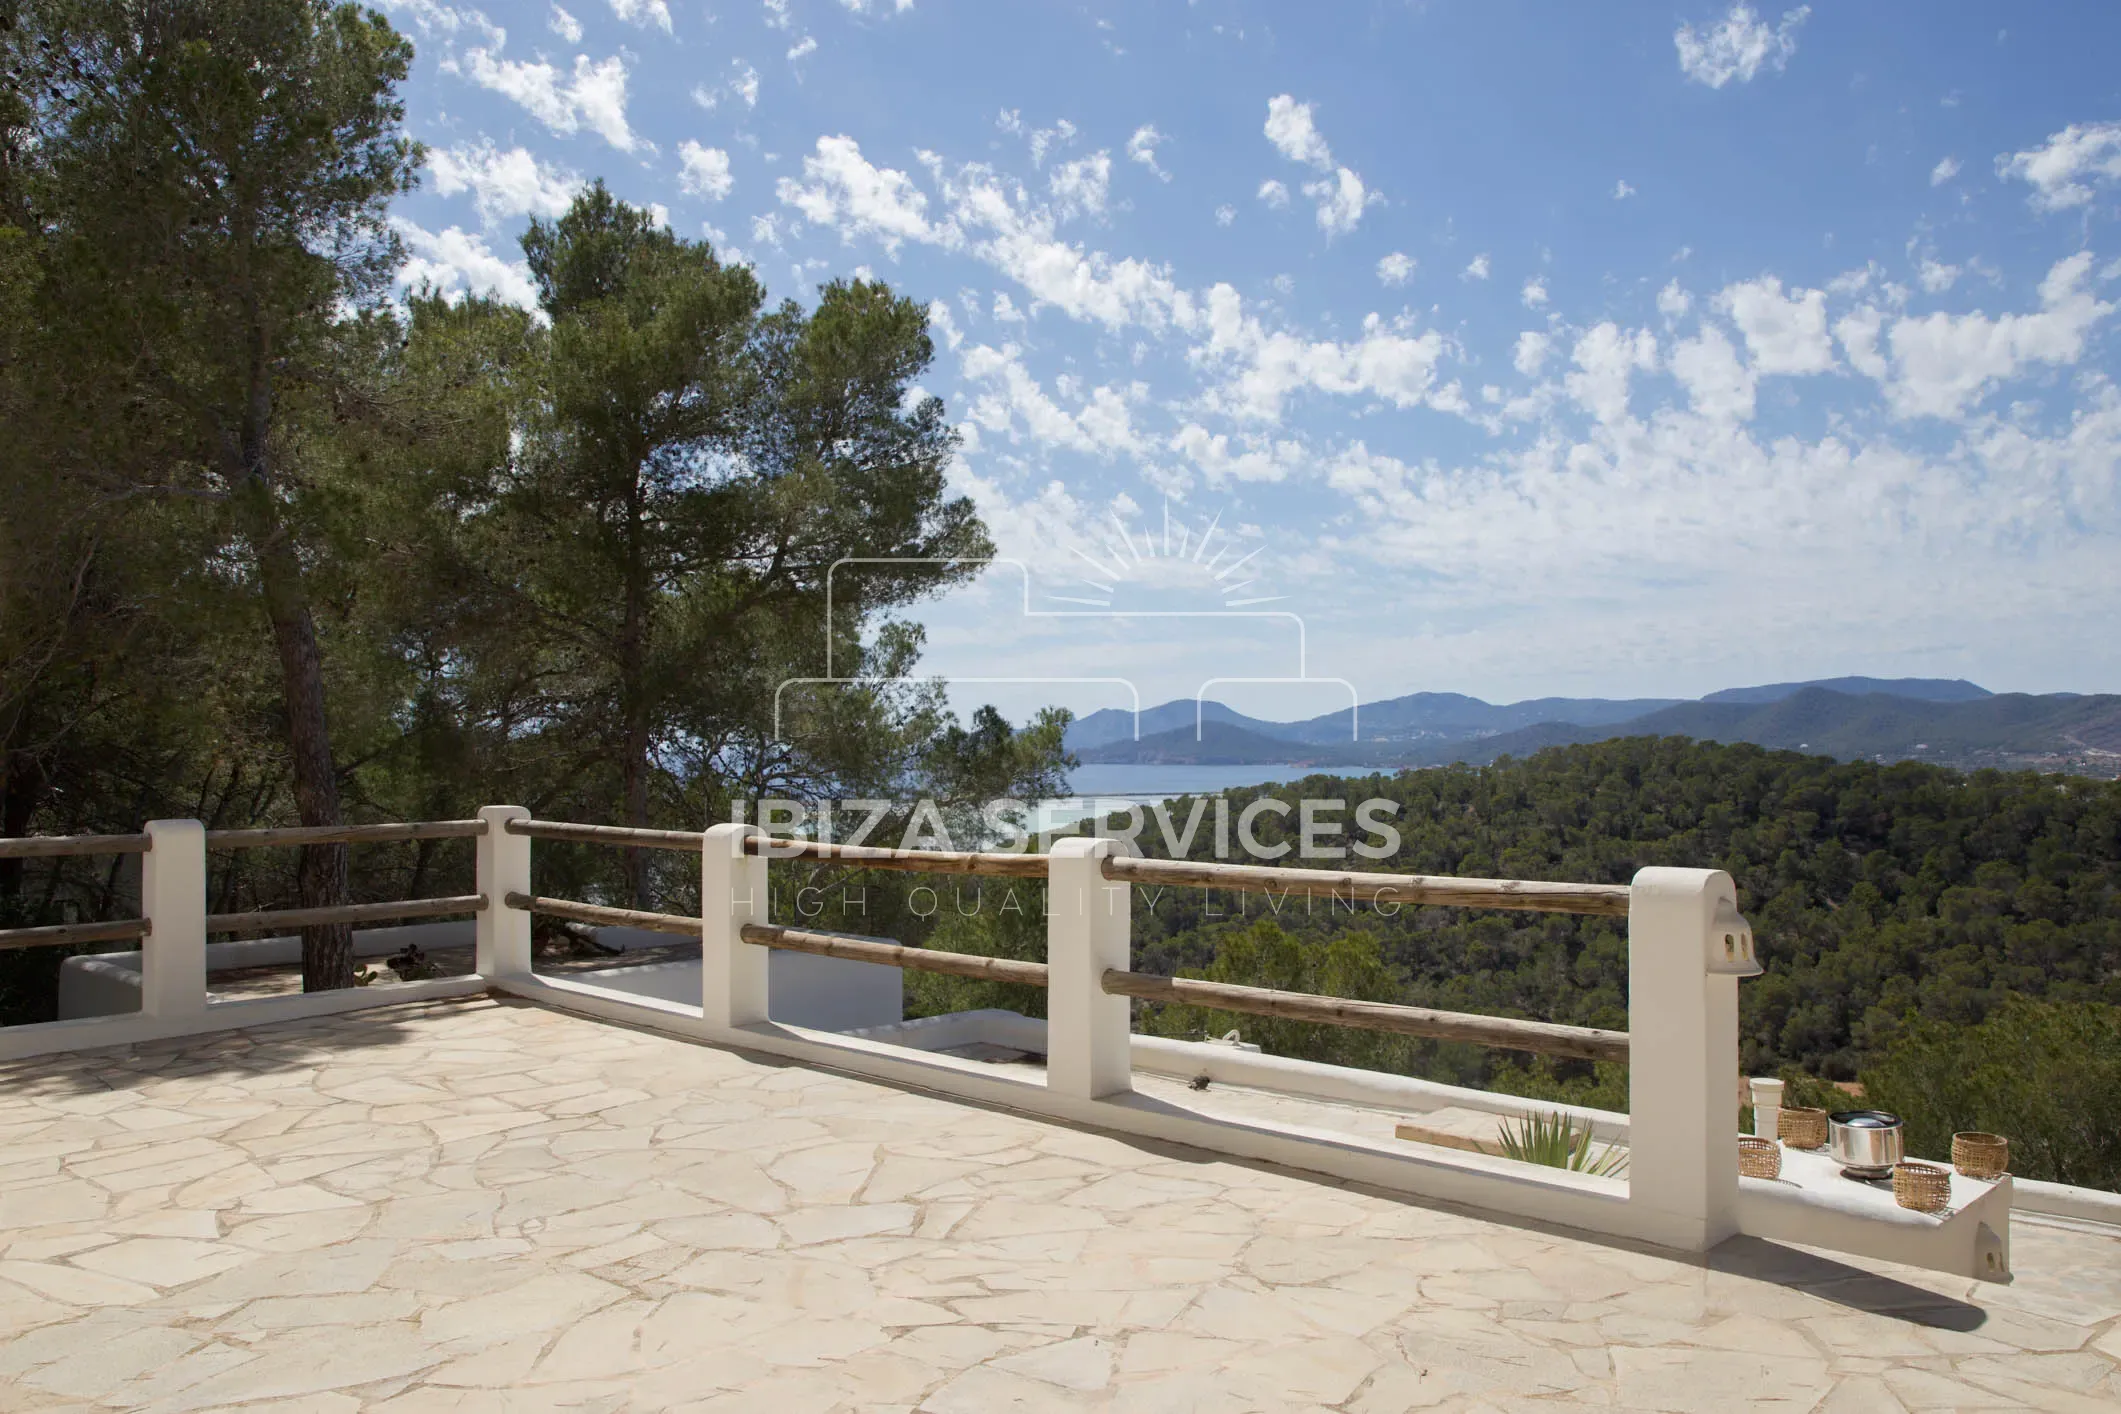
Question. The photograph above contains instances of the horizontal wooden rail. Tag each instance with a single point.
(925, 861)
(60, 935)
(689, 840)
(1544, 1038)
(344, 834)
(54, 846)
(344, 913)
(596, 913)
(1524, 895)
(1607, 900)
(953, 964)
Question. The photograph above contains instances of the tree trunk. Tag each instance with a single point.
(633, 696)
(320, 876)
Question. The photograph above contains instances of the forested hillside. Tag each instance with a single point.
(1876, 892)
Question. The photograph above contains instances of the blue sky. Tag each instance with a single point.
(1515, 349)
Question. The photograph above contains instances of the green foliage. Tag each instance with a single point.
(275, 549)
(2045, 1075)
(1874, 891)
(1555, 1140)
(1346, 964)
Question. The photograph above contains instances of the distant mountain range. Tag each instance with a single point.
(1950, 722)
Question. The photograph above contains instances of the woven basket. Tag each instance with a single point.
(1980, 1155)
(1759, 1158)
(1923, 1187)
(1802, 1128)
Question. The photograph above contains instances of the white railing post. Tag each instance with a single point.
(173, 901)
(733, 885)
(502, 933)
(1089, 928)
(1683, 1053)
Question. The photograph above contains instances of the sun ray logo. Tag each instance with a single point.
(1141, 572)
(1134, 562)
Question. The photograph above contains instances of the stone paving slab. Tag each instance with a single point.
(490, 1206)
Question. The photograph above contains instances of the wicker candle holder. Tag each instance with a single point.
(1980, 1155)
(1802, 1128)
(1759, 1158)
(1922, 1187)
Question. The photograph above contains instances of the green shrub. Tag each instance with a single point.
(2045, 1075)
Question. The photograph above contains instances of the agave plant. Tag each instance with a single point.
(1558, 1142)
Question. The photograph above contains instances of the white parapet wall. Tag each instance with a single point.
(108, 983)
(825, 993)
(1688, 947)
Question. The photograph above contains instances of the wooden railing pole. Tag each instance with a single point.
(502, 932)
(173, 901)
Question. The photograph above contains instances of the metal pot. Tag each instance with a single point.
(1866, 1143)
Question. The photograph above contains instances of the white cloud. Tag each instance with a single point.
(566, 26)
(1477, 268)
(456, 262)
(1390, 361)
(1142, 148)
(1946, 169)
(1274, 194)
(595, 97)
(1622, 191)
(1673, 302)
(1082, 185)
(1221, 458)
(1606, 358)
(503, 184)
(1290, 129)
(643, 13)
(1943, 363)
(1534, 293)
(1719, 386)
(943, 321)
(843, 190)
(1005, 310)
(777, 16)
(1043, 140)
(1531, 354)
(704, 171)
(1341, 199)
(802, 49)
(1738, 47)
(2062, 169)
(1396, 268)
(1782, 334)
(847, 192)
(746, 83)
(1937, 277)
(1224, 215)
(1012, 404)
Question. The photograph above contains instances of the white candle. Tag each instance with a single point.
(1767, 1106)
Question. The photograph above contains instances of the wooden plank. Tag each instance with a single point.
(595, 913)
(344, 834)
(1541, 1037)
(687, 840)
(1605, 900)
(67, 934)
(55, 846)
(344, 913)
(953, 964)
(926, 861)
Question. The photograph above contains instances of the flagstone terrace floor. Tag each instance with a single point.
(490, 1206)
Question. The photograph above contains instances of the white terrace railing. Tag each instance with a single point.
(1687, 947)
